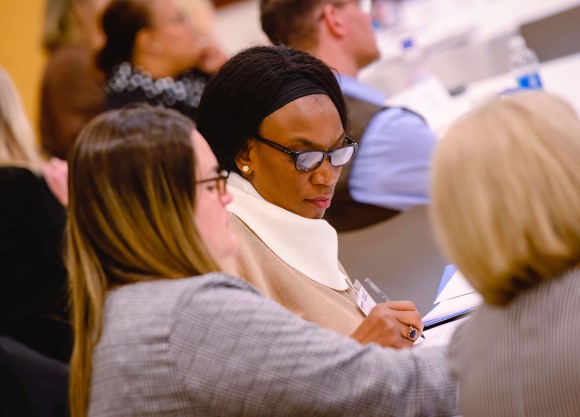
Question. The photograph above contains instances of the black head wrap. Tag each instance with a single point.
(294, 87)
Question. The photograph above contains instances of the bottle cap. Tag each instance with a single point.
(407, 43)
(517, 42)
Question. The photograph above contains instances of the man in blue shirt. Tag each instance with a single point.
(390, 172)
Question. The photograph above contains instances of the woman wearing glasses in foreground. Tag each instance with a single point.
(276, 118)
(160, 332)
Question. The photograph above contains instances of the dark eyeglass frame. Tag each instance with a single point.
(295, 154)
(220, 182)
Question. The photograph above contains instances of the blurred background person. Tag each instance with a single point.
(153, 53)
(276, 118)
(390, 172)
(72, 91)
(203, 15)
(33, 301)
(153, 314)
(505, 203)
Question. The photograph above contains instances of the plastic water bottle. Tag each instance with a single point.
(416, 69)
(524, 64)
(423, 92)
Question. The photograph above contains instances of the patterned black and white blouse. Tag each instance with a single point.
(128, 84)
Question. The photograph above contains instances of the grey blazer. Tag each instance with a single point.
(522, 360)
(214, 346)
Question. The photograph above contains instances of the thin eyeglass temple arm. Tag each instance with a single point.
(274, 145)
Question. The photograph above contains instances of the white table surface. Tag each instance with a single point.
(437, 22)
(560, 76)
(463, 40)
(440, 335)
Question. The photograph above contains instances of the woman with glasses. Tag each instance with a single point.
(159, 331)
(155, 54)
(276, 118)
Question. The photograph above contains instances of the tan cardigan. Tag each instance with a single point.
(258, 265)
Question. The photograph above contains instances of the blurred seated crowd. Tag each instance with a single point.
(169, 242)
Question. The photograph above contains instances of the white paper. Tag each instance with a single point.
(456, 287)
(431, 100)
(440, 335)
(453, 305)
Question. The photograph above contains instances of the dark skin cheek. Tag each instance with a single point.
(313, 120)
(273, 180)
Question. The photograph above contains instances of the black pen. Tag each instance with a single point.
(381, 294)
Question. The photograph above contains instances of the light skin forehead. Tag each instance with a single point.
(206, 161)
(163, 10)
(296, 120)
(101, 4)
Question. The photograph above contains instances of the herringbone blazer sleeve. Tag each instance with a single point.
(255, 358)
(232, 352)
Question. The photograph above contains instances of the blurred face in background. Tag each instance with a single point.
(173, 35)
(87, 15)
(360, 38)
(99, 36)
(203, 15)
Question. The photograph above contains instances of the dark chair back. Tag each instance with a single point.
(400, 255)
(31, 385)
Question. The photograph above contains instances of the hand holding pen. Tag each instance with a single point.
(412, 333)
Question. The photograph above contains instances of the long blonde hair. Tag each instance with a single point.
(506, 193)
(132, 198)
(17, 140)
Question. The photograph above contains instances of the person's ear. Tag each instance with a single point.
(146, 42)
(245, 158)
(333, 20)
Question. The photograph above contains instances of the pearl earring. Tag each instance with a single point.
(246, 169)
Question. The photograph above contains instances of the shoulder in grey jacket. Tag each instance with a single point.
(213, 346)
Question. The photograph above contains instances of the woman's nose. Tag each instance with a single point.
(227, 197)
(325, 174)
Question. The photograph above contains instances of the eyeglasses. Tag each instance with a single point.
(220, 182)
(364, 5)
(305, 161)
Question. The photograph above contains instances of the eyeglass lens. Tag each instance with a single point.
(309, 160)
(221, 183)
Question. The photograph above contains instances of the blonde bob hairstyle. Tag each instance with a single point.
(506, 193)
(131, 218)
(17, 141)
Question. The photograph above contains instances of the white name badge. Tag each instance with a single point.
(364, 301)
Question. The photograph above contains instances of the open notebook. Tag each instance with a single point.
(403, 259)
(450, 298)
(455, 297)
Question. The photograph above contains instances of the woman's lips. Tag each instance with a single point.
(322, 202)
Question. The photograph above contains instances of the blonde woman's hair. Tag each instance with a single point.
(17, 140)
(131, 219)
(506, 193)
